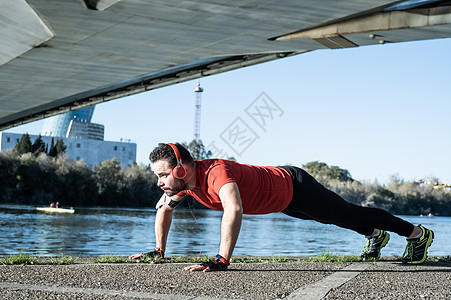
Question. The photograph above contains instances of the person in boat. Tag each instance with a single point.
(238, 189)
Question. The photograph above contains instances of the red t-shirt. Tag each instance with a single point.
(262, 189)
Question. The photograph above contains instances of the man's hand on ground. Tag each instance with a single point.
(218, 264)
(155, 253)
(136, 256)
(197, 268)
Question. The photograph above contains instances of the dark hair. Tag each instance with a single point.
(165, 152)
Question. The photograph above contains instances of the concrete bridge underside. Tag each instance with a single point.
(57, 56)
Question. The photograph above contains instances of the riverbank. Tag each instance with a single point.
(387, 279)
(109, 185)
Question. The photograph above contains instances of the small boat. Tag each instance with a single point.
(50, 209)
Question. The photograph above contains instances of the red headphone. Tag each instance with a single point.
(179, 171)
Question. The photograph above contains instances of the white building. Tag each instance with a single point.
(92, 151)
(85, 130)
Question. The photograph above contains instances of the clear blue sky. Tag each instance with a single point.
(377, 111)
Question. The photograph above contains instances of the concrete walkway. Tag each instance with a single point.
(386, 279)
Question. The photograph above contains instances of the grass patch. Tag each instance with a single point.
(324, 257)
(33, 259)
(446, 259)
(176, 259)
(110, 259)
(20, 259)
(275, 259)
(194, 260)
(63, 260)
(327, 256)
(30, 259)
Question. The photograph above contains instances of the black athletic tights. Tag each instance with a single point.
(312, 201)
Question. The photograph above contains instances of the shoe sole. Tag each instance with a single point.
(428, 243)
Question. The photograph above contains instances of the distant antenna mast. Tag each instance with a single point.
(197, 107)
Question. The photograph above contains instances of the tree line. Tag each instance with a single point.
(39, 178)
(39, 146)
(397, 197)
(36, 174)
(42, 179)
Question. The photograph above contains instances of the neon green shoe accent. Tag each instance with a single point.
(373, 246)
(417, 249)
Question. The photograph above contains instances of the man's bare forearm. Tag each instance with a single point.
(163, 221)
(231, 219)
(230, 229)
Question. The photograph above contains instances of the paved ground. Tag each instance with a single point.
(386, 279)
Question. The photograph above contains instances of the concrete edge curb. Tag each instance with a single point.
(319, 289)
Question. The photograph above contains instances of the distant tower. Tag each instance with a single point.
(198, 93)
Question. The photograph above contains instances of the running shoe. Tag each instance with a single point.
(417, 249)
(373, 246)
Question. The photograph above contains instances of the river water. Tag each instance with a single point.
(124, 231)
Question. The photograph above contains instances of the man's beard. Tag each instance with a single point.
(179, 185)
